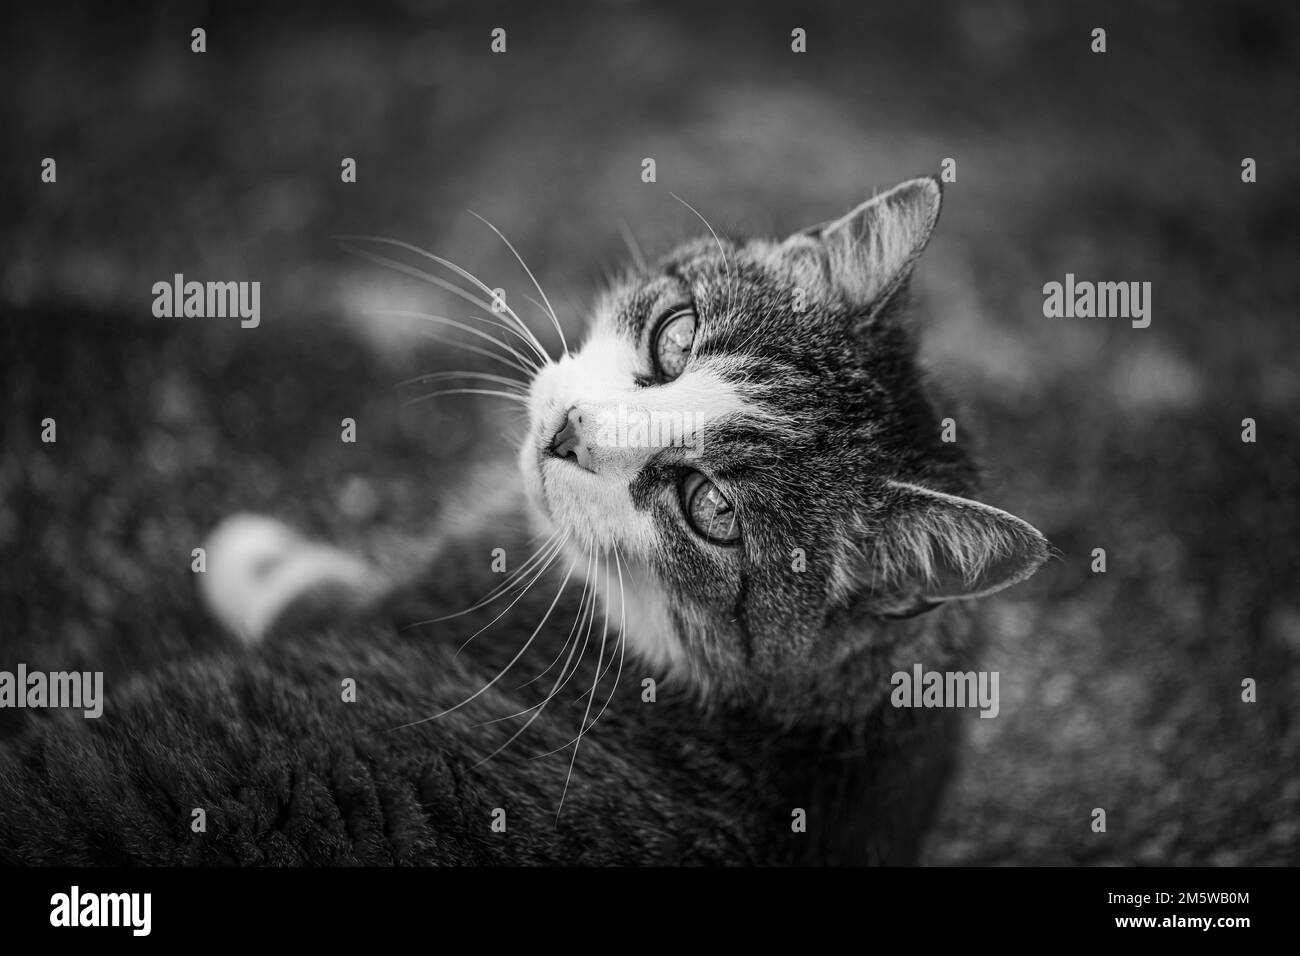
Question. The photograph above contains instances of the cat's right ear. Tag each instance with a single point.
(870, 252)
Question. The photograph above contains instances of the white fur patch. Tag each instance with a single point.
(595, 506)
(600, 382)
(257, 567)
(641, 606)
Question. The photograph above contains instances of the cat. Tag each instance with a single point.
(690, 661)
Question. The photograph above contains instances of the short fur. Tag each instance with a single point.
(771, 682)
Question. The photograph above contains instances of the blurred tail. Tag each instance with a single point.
(258, 569)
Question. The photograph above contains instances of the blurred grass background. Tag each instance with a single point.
(1118, 691)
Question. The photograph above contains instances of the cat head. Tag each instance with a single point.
(745, 428)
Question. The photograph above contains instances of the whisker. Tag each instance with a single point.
(502, 380)
(450, 287)
(560, 680)
(584, 609)
(587, 614)
(633, 247)
(514, 660)
(540, 571)
(511, 396)
(601, 674)
(622, 638)
(577, 622)
(622, 648)
(618, 678)
(726, 261)
(532, 366)
(539, 305)
(533, 580)
(604, 633)
(552, 544)
(444, 284)
(509, 245)
(528, 371)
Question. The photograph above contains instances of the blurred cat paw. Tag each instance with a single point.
(257, 568)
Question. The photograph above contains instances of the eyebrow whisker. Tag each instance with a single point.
(547, 308)
(527, 333)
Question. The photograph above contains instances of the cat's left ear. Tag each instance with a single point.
(933, 547)
(870, 252)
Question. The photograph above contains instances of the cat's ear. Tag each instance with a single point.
(935, 547)
(870, 251)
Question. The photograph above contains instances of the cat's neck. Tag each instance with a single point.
(846, 694)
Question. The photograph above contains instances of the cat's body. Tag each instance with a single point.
(738, 605)
(287, 773)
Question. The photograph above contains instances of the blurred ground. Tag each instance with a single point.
(1119, 690)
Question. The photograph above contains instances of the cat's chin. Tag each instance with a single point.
(552, 506)
(594, 512)
(547, 515)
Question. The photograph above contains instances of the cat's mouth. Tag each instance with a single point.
(548, 443)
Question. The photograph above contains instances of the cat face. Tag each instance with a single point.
(746, 429)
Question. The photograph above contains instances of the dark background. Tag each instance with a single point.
(1119, 691)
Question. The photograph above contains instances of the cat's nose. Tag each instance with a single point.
(570, 442)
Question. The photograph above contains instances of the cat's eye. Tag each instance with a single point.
(708, 512)
(673, 340)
